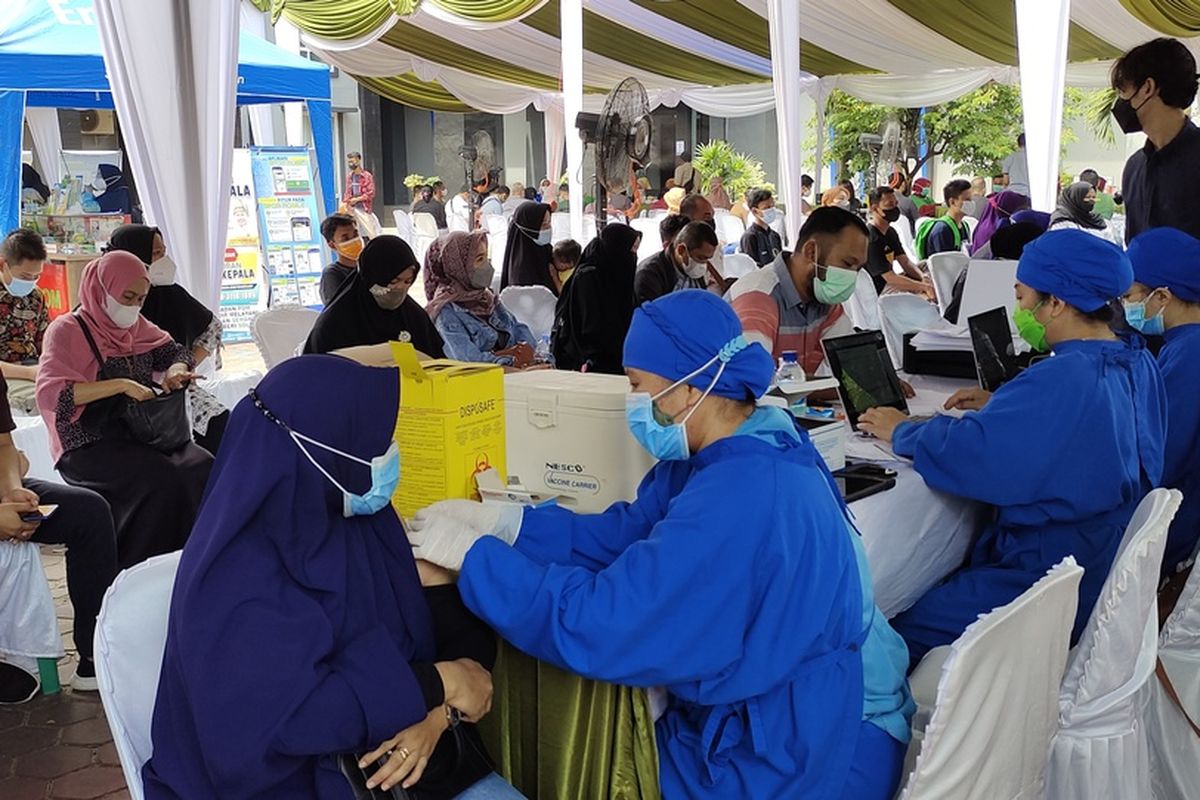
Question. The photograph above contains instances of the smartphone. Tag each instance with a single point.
(41, 515)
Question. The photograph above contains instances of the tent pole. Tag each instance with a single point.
(1042, 27)
(783, 20)
(572, 85)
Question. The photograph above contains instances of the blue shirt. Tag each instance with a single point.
(731, 582)
(1179, 361)
(466, 337)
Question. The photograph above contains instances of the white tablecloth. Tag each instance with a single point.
(913, 535)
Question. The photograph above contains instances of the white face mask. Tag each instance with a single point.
(843, 204)
(99, 185)
(769, 215)
(123, 316)
(691, 267)
(162, 272)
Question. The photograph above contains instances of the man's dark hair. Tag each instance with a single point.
(568, 251)
(689, 203)
(1090, 176)
(670, 226)
(758, 195)
(806, 180)
(1168, 62)
(848, 185)
(695, 234)
(354, 154)
(503, 190)
(438, 185)
(955, 188)
(829, 221)
(1021, 140)
(22, 244)
(876, 195)
(331, 224)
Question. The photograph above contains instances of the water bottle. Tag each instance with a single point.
(789, 377)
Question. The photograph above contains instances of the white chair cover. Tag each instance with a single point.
(730, 229)
(131, 634)
(280, 330)
(497, 233)
(28, 625)
(989, 721)
(1101, 751)
(780, 227)
(900, 314)
(657, 213)
(424, 233)
(863, 305)
(1174, 746)
(738, 265)
(532, 305)
(230, 387)
(651, 240)
(944, 269)
(404, 224)
(458, 214)
(589, 229)
(560, 225)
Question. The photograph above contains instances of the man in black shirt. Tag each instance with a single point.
(1156, 84)
(884, 247)
(682, 265)
(432, 200)
(341, 236)
(759, 241)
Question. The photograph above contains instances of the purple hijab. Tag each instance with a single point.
(291, 627)
(996, 215)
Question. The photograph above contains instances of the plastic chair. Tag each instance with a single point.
(904, 230)
(497, 232)
(131, 635)
(1174, 746)
(279, 331)
(944, 269)
(730, 229)
(738, 265)
(533, 306)
(863, 305)
(29, 635)
(651, 240)
(987, 704)
(404, 224)
(560, 225)
(900, 314)
(458, 215)
(424, 233)
(1101, 751)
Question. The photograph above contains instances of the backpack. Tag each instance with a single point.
(919, 243)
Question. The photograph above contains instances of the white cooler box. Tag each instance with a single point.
(567, 436)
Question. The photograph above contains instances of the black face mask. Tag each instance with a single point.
(1126, 115)
(891, 214)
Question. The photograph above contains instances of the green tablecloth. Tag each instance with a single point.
(557, 736)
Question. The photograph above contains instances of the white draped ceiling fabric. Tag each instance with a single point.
(1042, 28)
(178, 97)
(47, 142)
(713, 55)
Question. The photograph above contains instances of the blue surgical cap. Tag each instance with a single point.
(679, 333)
(1077, 267)
(1167, 257)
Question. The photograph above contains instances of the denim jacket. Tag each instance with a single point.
(469, 338)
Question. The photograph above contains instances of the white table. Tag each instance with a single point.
(913, 535)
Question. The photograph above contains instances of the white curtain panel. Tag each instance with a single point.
(783, 17)
(47, 142)
(262, 117)
(1042, 28)
(173, 71)
(571, 25)
(556, 139)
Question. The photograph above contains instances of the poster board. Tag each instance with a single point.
(289, 224)
(244, 285)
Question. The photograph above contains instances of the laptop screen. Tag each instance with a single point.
(992, 342)
(866, 377)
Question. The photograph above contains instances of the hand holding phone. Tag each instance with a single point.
(42, 514)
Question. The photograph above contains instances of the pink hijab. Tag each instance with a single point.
(66, 357)
(451, 262)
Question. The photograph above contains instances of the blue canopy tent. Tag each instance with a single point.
(50, 57)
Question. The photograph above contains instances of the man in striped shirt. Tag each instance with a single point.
(795, 302)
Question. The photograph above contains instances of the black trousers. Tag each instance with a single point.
(83, 522)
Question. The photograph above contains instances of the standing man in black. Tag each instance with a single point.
(1156, 83)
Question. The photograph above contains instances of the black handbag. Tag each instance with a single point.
(161, 422)
(458, 762)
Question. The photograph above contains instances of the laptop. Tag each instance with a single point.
(865, 375)
(991, 340)
(988, 284)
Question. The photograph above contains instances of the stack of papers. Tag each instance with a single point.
(944, 336)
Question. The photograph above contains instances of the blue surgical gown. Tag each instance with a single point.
(730, 580)
(1179, 361)
(1065, 451)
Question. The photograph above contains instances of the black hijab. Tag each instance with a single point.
(1072, 207)
(171, 307)
(526, 263)
(612, 251)
(353, 317)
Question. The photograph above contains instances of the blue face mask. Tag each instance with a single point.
(661, 436)
(1135, 315)
(385, 471)
(20, 288)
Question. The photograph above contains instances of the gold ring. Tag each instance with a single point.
(404, 753)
